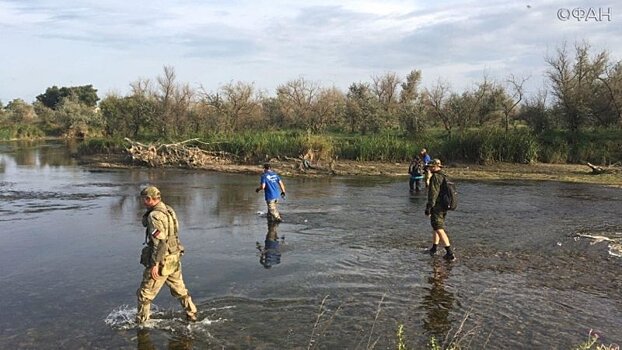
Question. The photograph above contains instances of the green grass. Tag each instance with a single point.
(593, 342)
(101, 146)
(21, 132)
(482, 146)
(600, 146)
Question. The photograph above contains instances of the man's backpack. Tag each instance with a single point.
(416, 168)
(448, 195)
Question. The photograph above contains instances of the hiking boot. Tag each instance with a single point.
(449, 257)
(191, 318)
(431, 251)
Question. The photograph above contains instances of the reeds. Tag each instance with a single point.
(21, 132)
(474, 146)
(492, 145)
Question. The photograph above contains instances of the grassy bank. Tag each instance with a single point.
(21, 132)
(476, 146)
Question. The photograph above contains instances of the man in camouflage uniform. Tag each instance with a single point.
(161, 257)
(435, 210)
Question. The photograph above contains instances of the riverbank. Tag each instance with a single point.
(494, 172)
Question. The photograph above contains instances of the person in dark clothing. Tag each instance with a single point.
(415, 169)
(436, 212)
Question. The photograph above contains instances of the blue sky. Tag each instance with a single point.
(111, 43)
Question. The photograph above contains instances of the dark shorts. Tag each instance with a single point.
(437, 219)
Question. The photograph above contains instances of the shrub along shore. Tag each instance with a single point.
(473, 155)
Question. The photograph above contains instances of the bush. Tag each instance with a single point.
(601, 146)
(101, 146)
(489, 146)
(21, 132)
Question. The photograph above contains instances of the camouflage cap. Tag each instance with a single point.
(435, 162)
(151, 192)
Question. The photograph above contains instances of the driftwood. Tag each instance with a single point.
(303, 165)
(611, 169)
(177, 154)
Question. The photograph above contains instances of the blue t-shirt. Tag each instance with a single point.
(426, 159)
(271, 180)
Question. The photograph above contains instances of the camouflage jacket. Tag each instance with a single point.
(434, 190)
(162, 232)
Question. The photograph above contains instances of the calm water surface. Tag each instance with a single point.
(538, 262)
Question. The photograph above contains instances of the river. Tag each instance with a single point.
(538, 262)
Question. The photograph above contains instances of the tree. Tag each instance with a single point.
(437, 101)
(577, 83)
(20, 112)
(86, 94)
(411, 107)
(509, 104)
(464, 110)
(613, 92)
(386, 92)
(127, 116)
(362, 109)
(328, 109)
(537, 114)
(77, 119)
(51, 98)
(174, 102)
(54, 95)
(296, 99)
(239, 105)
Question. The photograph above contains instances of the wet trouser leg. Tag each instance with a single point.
(411, 182)
(175, 282)
(149, 289)
(273, 212)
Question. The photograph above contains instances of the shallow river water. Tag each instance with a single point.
(538, 262)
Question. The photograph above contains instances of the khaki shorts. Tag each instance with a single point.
(437, 219)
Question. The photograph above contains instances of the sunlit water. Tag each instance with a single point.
(538, 262)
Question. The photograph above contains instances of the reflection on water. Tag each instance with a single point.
(270, 253)
(438, 302)
(542, 253)
(178, 342)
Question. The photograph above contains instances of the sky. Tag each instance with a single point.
(210, 43)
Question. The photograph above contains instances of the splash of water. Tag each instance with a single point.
(124, 318)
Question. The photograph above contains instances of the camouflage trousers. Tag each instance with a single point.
(149, 289)
(437, 219)
(273, 211)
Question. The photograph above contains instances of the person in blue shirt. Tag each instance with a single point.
(271, 184)
(425, 157)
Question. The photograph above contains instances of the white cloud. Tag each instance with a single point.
(111, 43)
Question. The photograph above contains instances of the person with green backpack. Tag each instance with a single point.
(437, 206)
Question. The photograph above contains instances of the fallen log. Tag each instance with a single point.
(611, 169)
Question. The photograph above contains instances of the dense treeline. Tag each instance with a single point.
(383, 119)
